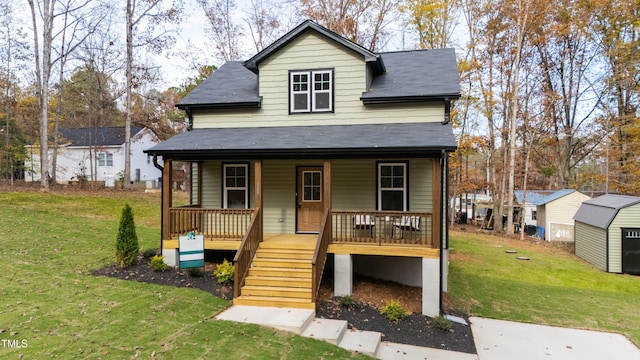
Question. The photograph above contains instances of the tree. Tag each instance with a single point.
(264, 22)
(433, 21)
(127, 240)
(224, 32)
(362, 21)
(144, 20)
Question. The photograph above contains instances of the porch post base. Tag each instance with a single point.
(170, 257)
(431, 287)
(343, 275)
(445, 270)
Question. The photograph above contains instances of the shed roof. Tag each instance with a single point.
(554, 196)
(311, 141)
(601, 211)
(102, 136)
(532, 195)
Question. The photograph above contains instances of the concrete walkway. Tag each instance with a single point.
(494, 339)
(506, 340)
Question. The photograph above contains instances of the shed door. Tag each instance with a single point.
(631, 251)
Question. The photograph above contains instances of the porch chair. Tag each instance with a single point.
(364, 222)
(410, 223)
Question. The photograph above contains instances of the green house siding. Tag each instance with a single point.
(353, 184)
(628, 217)
(421, 185)
(279, 196)
(212, 183)
(592, 245)
(349, 82)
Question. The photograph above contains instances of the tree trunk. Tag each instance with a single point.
(129, 75)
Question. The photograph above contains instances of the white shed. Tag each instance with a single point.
(555, 214)
(607, 233)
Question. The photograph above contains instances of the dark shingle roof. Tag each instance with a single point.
(312, 141)
(104, 136)
(231, 85)
(416, 74)
(601, 211)
(403, 76)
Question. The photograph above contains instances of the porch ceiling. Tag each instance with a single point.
(331, 141)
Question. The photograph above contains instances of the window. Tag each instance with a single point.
(392, 186)
(236, 190)
(105, 159)
(311, 188)
(311, 91)
(534, 215)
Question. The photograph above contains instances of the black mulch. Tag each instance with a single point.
(415, 329)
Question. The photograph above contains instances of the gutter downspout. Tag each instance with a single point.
(190, 117)
(157, 166)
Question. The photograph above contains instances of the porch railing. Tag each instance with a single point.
(382, 228)
(320, 254)
(229, 224)
(246, 252)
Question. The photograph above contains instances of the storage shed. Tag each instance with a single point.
(607, 233)
(555, 214)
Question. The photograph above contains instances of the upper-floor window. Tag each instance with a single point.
(311, 91)
(105, 159)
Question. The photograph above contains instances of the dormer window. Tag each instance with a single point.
(311, 91)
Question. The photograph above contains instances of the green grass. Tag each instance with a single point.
(554, 287)
(51, 242)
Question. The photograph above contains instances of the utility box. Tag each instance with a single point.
(191, 250)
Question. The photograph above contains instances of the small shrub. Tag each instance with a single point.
(158, 265)
(393, 311)
(195, 272)
(224, 272)
(348, 302)
(441, 323)
(127, 240)
(149, 253)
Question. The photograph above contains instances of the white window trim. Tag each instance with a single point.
(245, 188)
(404, 185)
(105, 159)
(310, 92)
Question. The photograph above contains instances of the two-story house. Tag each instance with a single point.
(318, 148)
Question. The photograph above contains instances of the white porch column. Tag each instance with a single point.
(170, 257)
(342, 275)
(431, 287)
(445, 270)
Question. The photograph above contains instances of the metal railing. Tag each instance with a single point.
(382, 228)
(246, 252)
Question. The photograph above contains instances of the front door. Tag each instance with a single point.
(309, 199)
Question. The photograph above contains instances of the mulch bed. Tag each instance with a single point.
(415, 329)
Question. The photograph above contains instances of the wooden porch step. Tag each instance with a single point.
(277, 291)
(284, 253)
(277, 271)
(282, 263)
(288, 245)
(278, 281)
(274, 301)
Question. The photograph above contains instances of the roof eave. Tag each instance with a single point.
(371, 100)
(227, 105)
(372, 59)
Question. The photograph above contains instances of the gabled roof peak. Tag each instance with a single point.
(372, 59)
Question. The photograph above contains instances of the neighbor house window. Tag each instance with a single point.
(392, 186)
(311, 91)
(534, 215)
(105, 159)
(236, 188)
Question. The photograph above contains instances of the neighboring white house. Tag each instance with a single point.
(528, 201)
(98, 154)
(555, 214)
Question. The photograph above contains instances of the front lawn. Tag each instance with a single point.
(51, 307)
(554, 287)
